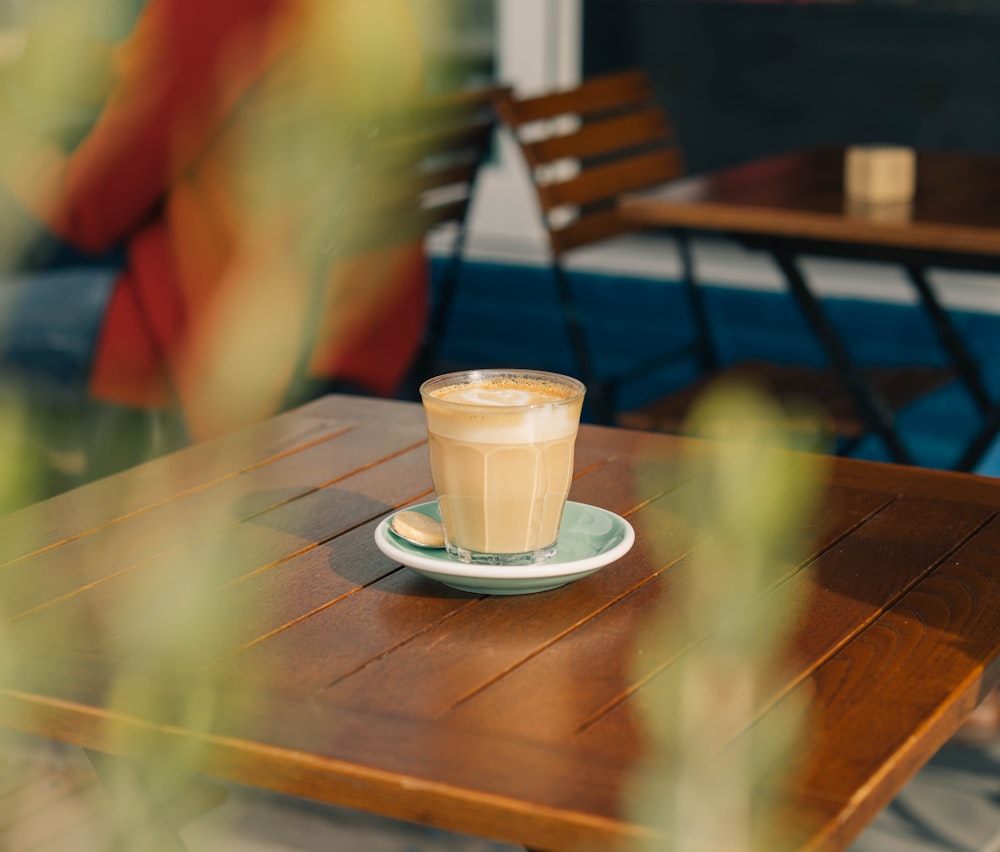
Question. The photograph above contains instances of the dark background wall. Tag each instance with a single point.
(747, 79)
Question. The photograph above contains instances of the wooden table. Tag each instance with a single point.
(335, 673)
(794, 204)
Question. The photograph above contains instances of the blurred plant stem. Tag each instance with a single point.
(294, 148)
(18, 464)
(699, 788)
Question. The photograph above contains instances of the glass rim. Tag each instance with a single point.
(474, 376)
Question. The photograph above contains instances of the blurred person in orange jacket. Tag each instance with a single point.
(225, 141)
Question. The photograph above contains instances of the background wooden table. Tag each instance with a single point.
(954, 212)
(793, 205)
(321, 668)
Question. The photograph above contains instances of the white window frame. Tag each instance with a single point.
(538, 48)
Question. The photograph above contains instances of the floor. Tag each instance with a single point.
(629, 316)
(51, 800)
(253, 822)
(952, 804)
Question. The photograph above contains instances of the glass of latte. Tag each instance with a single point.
(501, 451)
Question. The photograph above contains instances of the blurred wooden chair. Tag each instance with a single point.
(417, 177)
(432, 157)
(583, 147)
(586, 145)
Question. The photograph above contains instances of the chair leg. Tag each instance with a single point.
(601, 393)
(871, 403)
(965, 363)
(981, 442)
(426, 360)
(696, 298)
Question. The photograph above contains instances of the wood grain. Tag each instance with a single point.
(335, 673)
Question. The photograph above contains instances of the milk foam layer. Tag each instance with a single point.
(503, 392)
(473, 412)
(491, 396)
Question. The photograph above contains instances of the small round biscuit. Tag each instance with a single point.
(418, 528)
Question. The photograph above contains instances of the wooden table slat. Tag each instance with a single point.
(928, 652)
(336, 673)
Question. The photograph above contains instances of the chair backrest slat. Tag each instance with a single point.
(587, 145)
(598, 94)
(647, 127)
(587, 229)
(419, 189)
(410, 149)
(420, 169)
(410, 225)
(605, 182)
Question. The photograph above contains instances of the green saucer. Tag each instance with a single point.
(589, 539)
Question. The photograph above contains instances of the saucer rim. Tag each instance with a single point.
(440, 562)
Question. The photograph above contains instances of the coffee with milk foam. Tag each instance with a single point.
(501, 454)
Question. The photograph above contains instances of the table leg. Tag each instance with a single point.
(873, 408)
(968, 370)
(967, 367)
(965, 364)
(427, 357)
(980, 442)
(696, 298)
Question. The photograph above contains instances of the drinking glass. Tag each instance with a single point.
(501, 451)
